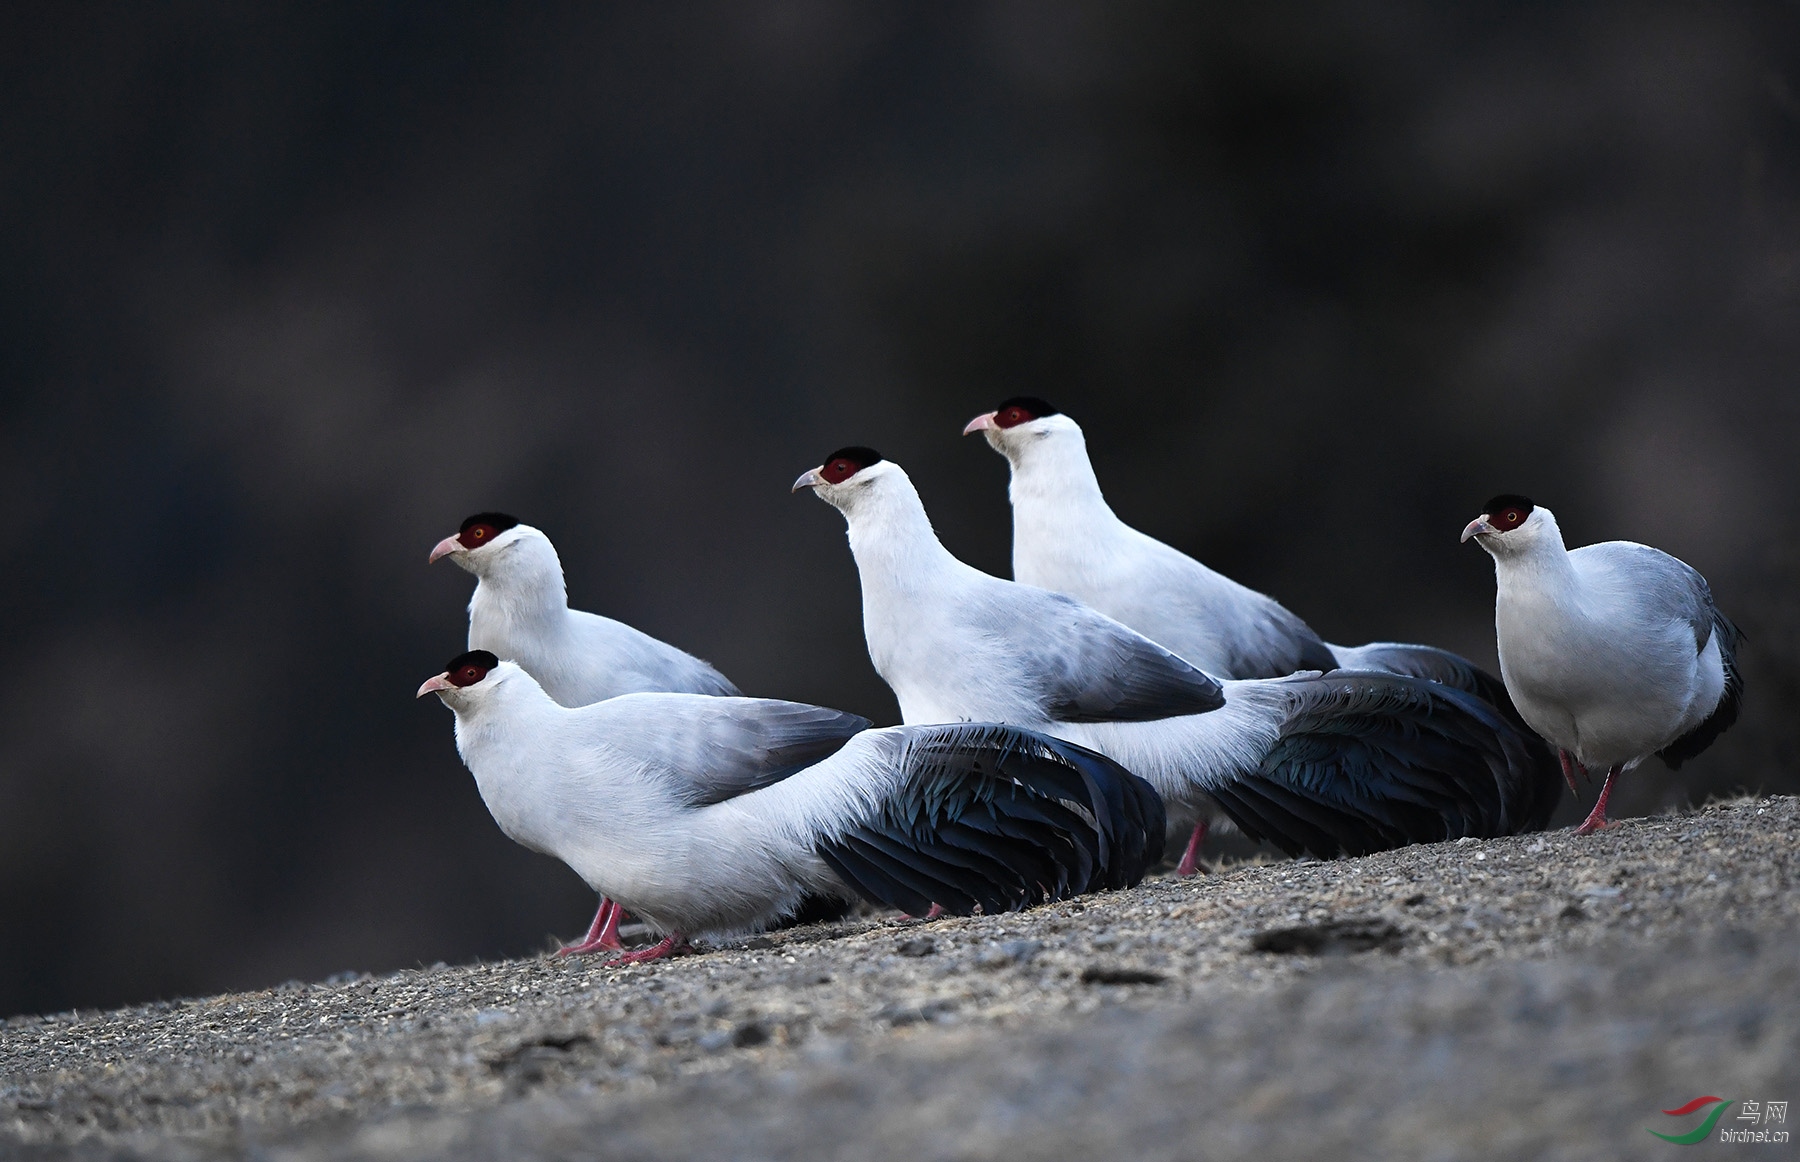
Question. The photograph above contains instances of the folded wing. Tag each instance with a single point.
(724, 747)
(1086, 667)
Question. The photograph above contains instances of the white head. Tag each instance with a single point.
(465, 681)
(1510, 525)
(492, 545)
(1024, 427)
(858, 481)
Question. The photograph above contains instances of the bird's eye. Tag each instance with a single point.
(476, 535)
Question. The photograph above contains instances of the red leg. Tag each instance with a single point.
(670, 945)
(1190, 859)
(1569, 764)
(602, 933)
(610, 937)
(1597, 817)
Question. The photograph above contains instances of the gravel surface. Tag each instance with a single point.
(1533, 997)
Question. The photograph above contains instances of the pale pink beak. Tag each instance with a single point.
(981, 423)
(1477, 527)
(441, 682)
(810, 478)
(444, 548)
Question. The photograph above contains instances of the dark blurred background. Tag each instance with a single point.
(286, 290)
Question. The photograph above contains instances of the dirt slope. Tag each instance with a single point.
(1536, 997)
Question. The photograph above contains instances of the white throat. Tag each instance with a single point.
(891, 537)
(523, 589)
(1063, 529)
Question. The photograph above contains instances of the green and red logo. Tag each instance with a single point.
(1698, 1133)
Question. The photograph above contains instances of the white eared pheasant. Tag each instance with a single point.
(520, 612)
(1613, 652)
(1327, 764)
(1068, 539)
(717, 815)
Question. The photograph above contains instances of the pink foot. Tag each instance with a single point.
(1597, 817)
(670, 945)
(1569, 766)
(936, 911)
(1190, 858)
(602, 934)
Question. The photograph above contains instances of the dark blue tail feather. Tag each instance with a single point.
(1379, 761)
(1000, 818)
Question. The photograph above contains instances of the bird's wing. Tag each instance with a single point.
(1691, 600)
(1670, 587)
(995, 817)
(1653, 580)
(714, 748)
(1272, 641)
(623, 654)
(1176, 599)
(1731, 699)
(1085, 667)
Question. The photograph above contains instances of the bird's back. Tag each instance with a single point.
(643, 662)
(990, 650)
(594, 658)
(1225, 628)
(1640, 591)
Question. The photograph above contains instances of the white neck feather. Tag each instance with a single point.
(1533, 559)
(897, 552)
(1061, 520)
(520, 591)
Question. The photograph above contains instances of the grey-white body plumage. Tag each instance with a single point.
(717, 815)
(1068, 539)
(606, 788)
(957, 644)
(1613, 652)
(520, 611)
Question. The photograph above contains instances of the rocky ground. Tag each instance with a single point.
(1537, 997)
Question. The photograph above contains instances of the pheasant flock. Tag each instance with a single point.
(1054, 726)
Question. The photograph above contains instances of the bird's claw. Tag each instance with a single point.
(670, 945)
(608, 943)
